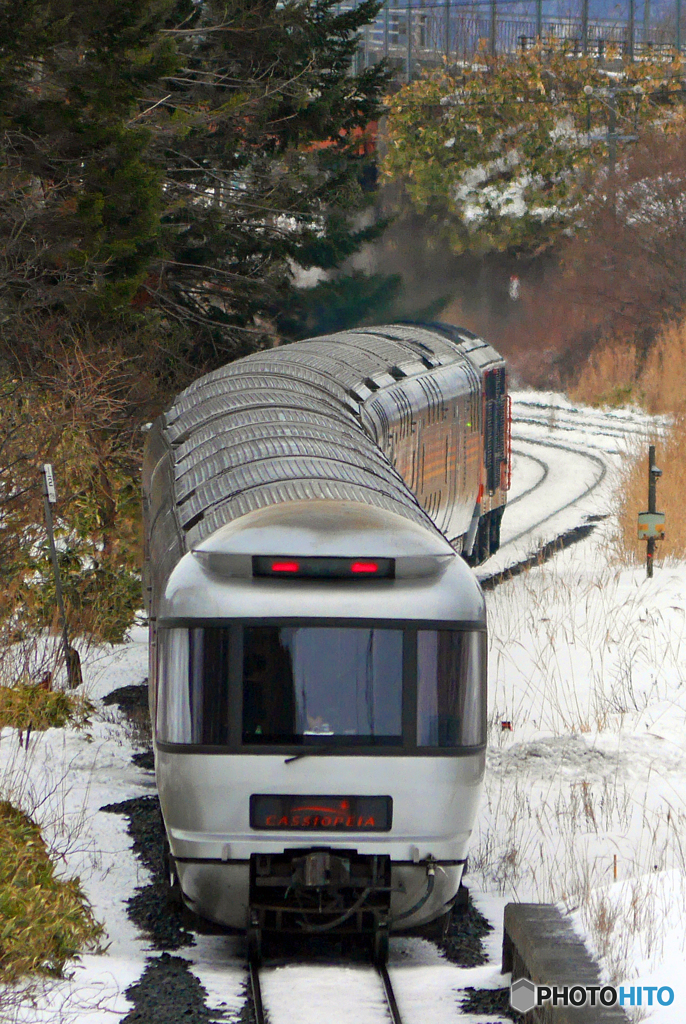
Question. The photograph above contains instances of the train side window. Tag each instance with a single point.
(193, 692)
(209, 671)
(451, 688)
(173, 705)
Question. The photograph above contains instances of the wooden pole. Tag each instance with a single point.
(71, 657)
(612, 134)
(678, 26)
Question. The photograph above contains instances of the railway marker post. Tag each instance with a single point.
(651, 524)
(71, 655)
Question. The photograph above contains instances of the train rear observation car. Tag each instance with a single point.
(318, 650)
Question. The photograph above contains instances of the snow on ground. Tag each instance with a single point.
(574, 453)
(63, 780)
(585, 799)
(589, 784)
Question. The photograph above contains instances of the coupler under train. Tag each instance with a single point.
(321, 891)
(315, 892)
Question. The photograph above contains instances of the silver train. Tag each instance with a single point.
(317, 648)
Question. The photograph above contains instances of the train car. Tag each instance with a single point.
(317, 647)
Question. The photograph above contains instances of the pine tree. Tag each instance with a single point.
(185, 157)
(79, 200)
(269, 165)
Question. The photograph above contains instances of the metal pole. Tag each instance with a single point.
(612, 133)
(652, 476)
(49, 496)
(584, 26)
(539, 20)
(494, 26)
(385, 28)
(646, 23)
(409, 40)
(678, 26)
(447, 31)
(632, 27)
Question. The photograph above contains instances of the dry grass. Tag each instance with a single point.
(616, 374)
(662, 379)
(555, 841)
(610, 377)
(43, 920)
(670, 456)
(580, 646)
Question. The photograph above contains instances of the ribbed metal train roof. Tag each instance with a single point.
(284, 425)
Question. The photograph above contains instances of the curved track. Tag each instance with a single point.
(570, 491)
(554, 475)
(539, 482)
(615, 425)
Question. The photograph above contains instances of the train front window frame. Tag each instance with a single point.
(182, 706)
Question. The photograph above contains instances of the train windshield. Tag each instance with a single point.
(317, 684)
(244, 685)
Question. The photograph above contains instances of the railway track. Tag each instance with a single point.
(600, 472)
(545, 469)
(261, 1014)
(531, 513)
(556, 418)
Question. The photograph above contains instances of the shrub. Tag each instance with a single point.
(43, 920)
(80, 412)
(25, 706)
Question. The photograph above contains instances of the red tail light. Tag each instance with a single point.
(322, 567)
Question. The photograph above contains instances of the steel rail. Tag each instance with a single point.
(591, 487)
(256, 988)
(390, 994)
(567, 423)
(258, 1005)
(563, 540)
(560, 418)
(539, 483)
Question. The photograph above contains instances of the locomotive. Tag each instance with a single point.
(317, 645)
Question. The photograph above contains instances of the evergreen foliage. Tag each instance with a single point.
(79, 199)
(352, 300)
(167, 170)
(268, 166)
(189, 157)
